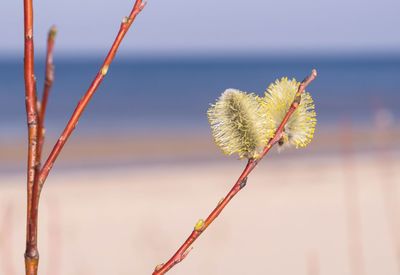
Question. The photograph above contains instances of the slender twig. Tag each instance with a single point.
(31, 253)
(41, 111)
(201, 226)
(125, 25)
(36, 180)
(48, 83)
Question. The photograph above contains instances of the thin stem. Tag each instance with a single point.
(36, 180)
(48, 83)
(125, 25)
(201, 226)
(31, 253)
(41, 110)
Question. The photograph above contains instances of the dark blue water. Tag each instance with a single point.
(153, 94)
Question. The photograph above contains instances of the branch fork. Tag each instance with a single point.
(36, 113)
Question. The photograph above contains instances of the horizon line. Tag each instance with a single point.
(272, 54)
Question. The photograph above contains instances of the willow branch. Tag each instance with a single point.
(48, 83)
(36, 180)
(201, 226)
(31, 253)
(125, 25)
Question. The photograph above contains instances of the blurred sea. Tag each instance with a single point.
(173, 94)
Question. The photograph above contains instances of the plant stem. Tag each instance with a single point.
(31, 253)
(48, 83)
(36, 180)
(201, 226)
(125, 25)
(41, 112)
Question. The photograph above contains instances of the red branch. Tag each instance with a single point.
(125, 25)
(37, 176)
(48, 83)
(183, 251)
(31, 253)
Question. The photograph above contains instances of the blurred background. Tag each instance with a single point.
(141, 167)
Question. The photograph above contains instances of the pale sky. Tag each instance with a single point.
(210, 26)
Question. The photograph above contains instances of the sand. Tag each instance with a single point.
(303, 214)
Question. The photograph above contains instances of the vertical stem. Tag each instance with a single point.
(37, 176)
(48, 83)
(31, 253)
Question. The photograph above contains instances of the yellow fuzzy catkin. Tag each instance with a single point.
(239, 124)
(300, 127)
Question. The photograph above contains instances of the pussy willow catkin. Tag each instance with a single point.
(239, 124)
(299, 130)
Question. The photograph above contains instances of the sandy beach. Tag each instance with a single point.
(304, 213)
